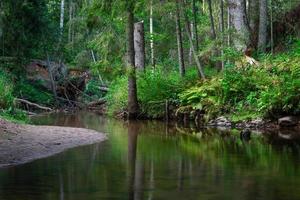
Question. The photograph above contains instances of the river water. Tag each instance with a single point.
(152, 160)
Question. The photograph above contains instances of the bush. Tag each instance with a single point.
(154, 87)
(6, 88)
(268, 90)
(34, 93)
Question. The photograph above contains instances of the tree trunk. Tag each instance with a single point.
(139, 45)
(222, 26)
(132, 88)
(62, 13)
(212, 23)
(196, 57)
(193, 38)
(70, 20)
(195, 25)
(151, 35)
(239, 22)
(254, 21)
(228, 27)
(263, 22)
(179, 41)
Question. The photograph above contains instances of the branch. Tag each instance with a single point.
(33, 104)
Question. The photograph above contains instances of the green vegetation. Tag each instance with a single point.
(248, 74)
(269, 89)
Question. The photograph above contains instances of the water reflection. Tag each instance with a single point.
(152, 160)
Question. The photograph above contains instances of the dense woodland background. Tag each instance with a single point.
(203, 58)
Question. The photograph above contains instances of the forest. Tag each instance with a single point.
(150, 59)
(149, 99)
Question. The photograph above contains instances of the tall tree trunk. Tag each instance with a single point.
(70, 20)
(196, 57)
(139, 45)
(195, 25)
(254, 21)
(228, 27)
(263, 22)
(151, 35)
(212, 22)
(193, 38)
(271, 27)
(239, 22)
(133, 107)
(222, 26)
(62, 16)
(179, 41)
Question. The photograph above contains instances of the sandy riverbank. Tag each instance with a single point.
(24, 143)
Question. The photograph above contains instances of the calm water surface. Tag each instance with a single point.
(150, 160)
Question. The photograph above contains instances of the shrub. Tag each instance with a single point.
(6, 88)
(154, 87)
(33, 92)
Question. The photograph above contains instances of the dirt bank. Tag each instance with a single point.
(24, 143)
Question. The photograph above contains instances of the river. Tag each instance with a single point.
(152, 160)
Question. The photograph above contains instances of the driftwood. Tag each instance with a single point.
(33, 104)
(97, 103)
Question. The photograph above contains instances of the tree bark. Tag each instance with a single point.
(151, 35)
(62, 16)
(212, 22)
(70, 20)
(179, 41)
(196, 57)
(139, 45)
(239, 22)
(133, 107)
(254, 21)
(263, 22)
(222, 26)
(195, 25)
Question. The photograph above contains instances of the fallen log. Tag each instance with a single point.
(97, 103)
(33, 104)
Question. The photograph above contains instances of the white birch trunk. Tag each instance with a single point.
(62, 13)
(151, 35)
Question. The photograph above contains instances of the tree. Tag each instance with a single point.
(222, 27)
(179, 40)
(254, 21)
(151, 34)
(192, 47)
(139, 45)
(212, 23)
(239, 23)
(263, 22)
(133, 107)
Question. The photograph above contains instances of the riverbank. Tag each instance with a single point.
(24, 143)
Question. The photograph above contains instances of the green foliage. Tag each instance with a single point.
(14, 115)
(245, 92)
(117, 96)
(92, 91)
(34, 93)
(154, 88)
(6, 88)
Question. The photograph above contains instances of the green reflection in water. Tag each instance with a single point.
(150, 160)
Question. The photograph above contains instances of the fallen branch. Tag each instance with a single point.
(97, 103)
(33, 104)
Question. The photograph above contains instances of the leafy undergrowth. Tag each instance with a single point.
(154, 88)
(269, 89)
